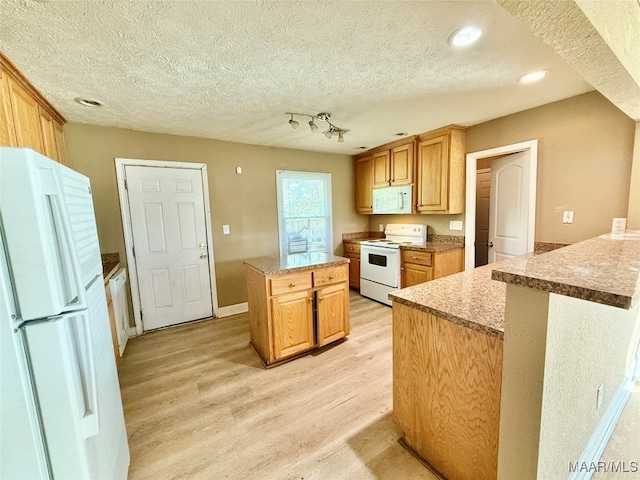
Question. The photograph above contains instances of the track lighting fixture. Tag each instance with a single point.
(325, 117)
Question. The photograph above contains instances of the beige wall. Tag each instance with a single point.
(588, 345)
(246, 202)
(557, 351)
(585, 152)
(584, 162)
(633, 215)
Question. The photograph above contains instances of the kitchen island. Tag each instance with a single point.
(515, 369)
(297, 304)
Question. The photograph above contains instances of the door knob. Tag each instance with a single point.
(203, 255)
(489, 244)
(203, 245)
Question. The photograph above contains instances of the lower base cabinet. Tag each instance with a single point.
(419, 267)
(352, 252)
(294, 313)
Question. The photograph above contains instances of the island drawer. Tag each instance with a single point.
(290, 282)
(415, 256)
(329, 275)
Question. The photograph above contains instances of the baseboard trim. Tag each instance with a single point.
(601, 435)
(233, 309)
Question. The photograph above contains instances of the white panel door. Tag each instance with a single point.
(170, 243)
(509, 213)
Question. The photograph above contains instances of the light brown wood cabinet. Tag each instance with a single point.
(352, 252)
(394, 165)
(440, 170)
(28, 120)
(364, 184)
(446, 393)
(433, 162)
(293, 313)
(418, 266)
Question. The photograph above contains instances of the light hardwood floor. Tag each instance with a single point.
(198, 404)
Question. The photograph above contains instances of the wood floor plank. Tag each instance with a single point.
(198, 404)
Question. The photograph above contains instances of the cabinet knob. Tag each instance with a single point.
(321, 298)
(292, 284)
(331, 277)
(311, 299)
(414, 258)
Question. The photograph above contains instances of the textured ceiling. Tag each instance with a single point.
(229, 70)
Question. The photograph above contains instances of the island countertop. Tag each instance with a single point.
(605, 270)
(294, 263)
(470, 298)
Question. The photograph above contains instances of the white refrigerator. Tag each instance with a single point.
(61, 412)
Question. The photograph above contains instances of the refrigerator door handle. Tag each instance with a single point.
(68, 248)
(80, 359)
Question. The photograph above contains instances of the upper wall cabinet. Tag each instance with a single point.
(28, 120)
(394, 164)
(440, 171)
(364, 184)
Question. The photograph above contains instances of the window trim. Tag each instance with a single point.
(289, 174)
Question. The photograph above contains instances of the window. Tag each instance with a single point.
(304, 212)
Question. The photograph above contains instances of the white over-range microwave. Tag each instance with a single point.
(392, 200)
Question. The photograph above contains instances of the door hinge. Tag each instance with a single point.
(126, 185)
(140, 314)
(133, 251)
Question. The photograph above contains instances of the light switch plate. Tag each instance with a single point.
(567, 216)
(619, 226)
(455, 225)
(225, 229)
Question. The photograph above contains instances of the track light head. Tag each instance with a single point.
(325, 117)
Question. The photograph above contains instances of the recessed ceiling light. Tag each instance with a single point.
(533, 76)
(465, 36)
(88, 102)
(401, 134)
(361, 148)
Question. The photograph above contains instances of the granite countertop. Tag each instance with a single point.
(604, 270)
(110, 265)
(109, 269)
(294, 263)
(433, 247)
(470, 298)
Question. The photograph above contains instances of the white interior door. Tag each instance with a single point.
(509, 210)
(170, 242)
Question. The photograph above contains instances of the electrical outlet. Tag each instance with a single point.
(599, 396)
(239, 170)
(225, 229)
(455, 225)
(619, 226)
(567, 216)
(380, 227)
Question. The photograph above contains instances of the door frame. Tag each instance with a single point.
(127, 227)
(470, 207)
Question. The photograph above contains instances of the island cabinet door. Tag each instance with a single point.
(333, 314)
(292, 323)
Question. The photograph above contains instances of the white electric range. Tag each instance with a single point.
(380, 260)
